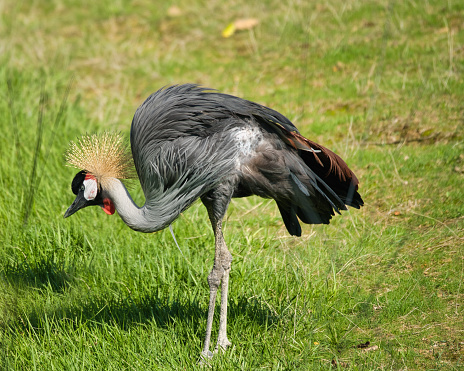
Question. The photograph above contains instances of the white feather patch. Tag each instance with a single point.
(246, 140)
(91, 189)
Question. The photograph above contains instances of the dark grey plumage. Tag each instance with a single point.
(185, 140)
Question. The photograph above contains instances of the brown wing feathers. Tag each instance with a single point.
(331, 162)
(328, 166)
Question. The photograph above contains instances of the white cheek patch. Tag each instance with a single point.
(91, 189)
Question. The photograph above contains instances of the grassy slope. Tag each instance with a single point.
(379, 82)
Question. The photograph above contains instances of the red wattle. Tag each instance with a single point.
(108, 206)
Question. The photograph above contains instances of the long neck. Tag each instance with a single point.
(143, 219)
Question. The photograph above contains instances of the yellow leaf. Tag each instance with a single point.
(229, 30)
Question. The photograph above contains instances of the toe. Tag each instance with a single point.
(222, 344)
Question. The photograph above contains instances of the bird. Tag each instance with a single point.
(189, 142)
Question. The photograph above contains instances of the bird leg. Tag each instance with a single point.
(217, 207)
(213, 282)
(219, 275)
(226, 260)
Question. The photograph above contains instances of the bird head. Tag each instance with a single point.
(88, 193)
(104, 157)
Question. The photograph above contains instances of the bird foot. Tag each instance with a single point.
(205, 357)
(222, 344)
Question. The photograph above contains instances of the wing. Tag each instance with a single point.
(184, 116)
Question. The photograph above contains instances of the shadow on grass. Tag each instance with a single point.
(124, 313)
(44, 273)
(105, 308)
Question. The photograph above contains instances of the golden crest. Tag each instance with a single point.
(105, 156)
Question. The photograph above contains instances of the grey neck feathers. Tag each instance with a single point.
(142, 219)
(172, 177)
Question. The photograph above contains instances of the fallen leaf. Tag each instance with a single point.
(174, 11)
(245, 23)
(229, 30)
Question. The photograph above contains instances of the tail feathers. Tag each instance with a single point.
(310, 203)
(306, 212)
(290, 219)
(334, 174)
(327, 165)
(314, 202)
(349, 195)
(314, 205)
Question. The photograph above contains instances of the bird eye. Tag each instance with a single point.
(82, 188)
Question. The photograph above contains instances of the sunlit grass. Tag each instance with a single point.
(378, 82)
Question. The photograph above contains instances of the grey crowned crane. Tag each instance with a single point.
(192, 143)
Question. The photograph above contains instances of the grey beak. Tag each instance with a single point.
(78, 204)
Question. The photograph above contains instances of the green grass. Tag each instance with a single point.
(380, 82)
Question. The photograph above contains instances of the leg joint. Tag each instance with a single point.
(226, 259)
(215, 277)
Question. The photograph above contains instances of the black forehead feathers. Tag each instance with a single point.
(77, 181)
